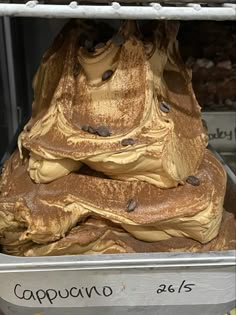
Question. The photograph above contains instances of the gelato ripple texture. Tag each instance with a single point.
(114, 158)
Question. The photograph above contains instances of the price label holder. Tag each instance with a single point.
(221, 130)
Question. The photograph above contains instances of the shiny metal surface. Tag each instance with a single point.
(11, 309)
(124, 261)
(115, 10)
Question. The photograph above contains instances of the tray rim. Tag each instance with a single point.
(117, 261)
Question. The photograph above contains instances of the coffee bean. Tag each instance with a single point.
(131, 205)
(193, 180)
(118, 40)
(164, 107)
(103, 131)
(76, 69)
(127, 141)
(91, 130)
(85, 128)
(106, 75)
(99, 46)
(88, 44)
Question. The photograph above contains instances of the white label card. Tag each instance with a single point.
(119, 287)
(221, 130)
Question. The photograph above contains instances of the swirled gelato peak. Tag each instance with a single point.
(123, 105)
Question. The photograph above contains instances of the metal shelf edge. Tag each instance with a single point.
(118, 11)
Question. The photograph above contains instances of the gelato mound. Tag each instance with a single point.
(137, 91)
(114, 158)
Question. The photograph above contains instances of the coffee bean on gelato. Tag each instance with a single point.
(193, 180)
(164, 107)
(127, 141)
(103, 131)
(85, 128)
(88, 44)
(91, 130)
(131, 205)
(106, 75)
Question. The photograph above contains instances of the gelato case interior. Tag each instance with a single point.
(118, 163)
